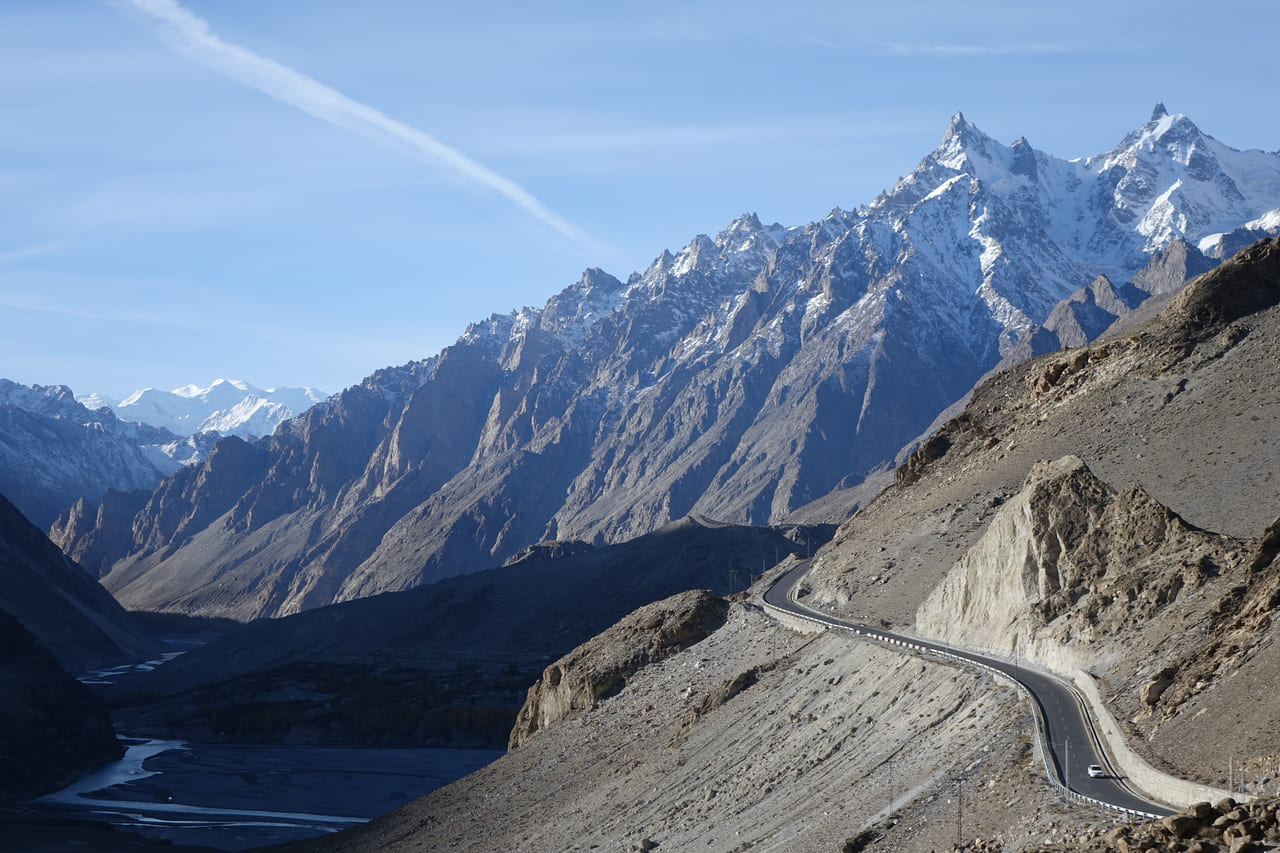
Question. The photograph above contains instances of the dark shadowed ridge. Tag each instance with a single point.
(452, 660)
(68, 611)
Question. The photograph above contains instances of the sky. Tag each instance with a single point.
(299, 192)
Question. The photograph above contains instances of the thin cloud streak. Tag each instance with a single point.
(190, 35)
(969, 50)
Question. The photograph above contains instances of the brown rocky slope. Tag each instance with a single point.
(755, 738)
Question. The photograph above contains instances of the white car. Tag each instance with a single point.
(1095, 770)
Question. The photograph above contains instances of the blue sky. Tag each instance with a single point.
(298, 192)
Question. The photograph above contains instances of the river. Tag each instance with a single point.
(237, 797)
(225, 796)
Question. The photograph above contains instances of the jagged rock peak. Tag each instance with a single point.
(1166, 130)
(746, 222)
(596, 277)
(957, 126)
(1024, 158)
(747, 233)
(964, 134)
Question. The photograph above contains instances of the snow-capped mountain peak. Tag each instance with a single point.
(219, 387)
(1171, 180)
(227, 406)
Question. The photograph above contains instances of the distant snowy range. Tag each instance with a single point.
(57, 447)
(228, 406)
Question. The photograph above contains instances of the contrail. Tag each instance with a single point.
(189, 34)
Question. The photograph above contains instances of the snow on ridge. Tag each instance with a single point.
(227, 406)
(1269, 221)
(1017, 235)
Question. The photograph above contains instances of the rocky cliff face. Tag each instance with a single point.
(741, 378)
(54, 729)
(93, 535)
(1069, 564)
(598, 669)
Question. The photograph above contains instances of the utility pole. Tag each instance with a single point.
(1231, 776)
(959, 814)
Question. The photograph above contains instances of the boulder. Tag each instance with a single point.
(1181, 825)
(1155, 688)
(1201, 811)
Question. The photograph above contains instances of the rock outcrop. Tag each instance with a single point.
(76, 530)
(1066, 562)
(600, 668)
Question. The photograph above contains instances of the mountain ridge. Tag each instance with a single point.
(69, 613)
(742, 378)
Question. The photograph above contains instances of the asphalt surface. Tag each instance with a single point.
(1066, 723)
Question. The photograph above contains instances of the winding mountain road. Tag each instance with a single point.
(1065, 722)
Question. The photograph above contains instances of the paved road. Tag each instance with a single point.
(1066, 722)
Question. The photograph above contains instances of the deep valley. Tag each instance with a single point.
(513, 595)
